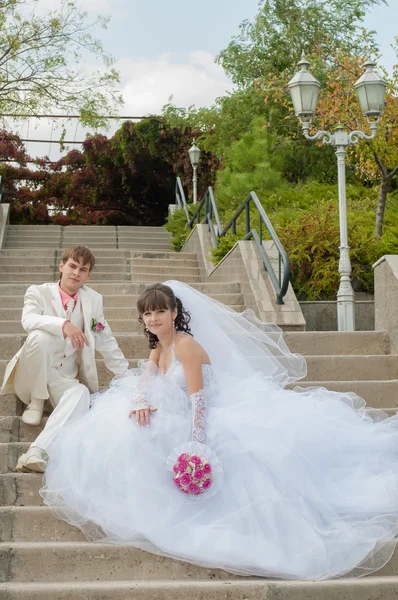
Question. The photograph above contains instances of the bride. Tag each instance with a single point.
(201, 455)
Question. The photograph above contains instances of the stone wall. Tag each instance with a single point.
(386, 298)
(322, 316)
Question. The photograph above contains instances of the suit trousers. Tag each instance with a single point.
(36, 377)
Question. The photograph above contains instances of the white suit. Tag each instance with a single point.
(47, 366)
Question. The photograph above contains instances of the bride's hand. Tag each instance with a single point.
(142, 416)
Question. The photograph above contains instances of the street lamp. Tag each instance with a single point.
(194, 156)
(370, 88)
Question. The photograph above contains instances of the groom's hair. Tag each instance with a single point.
(80, 254)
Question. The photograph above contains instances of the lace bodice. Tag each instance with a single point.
(176, 374)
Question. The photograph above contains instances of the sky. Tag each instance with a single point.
(165, 49)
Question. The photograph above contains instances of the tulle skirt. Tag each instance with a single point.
(310, 485)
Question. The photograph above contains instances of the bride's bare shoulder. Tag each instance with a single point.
(186, 343)
(187, 347)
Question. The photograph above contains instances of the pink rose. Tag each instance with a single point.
(177, 481)
(176, 469)
(199, 474)
(183, 466)
(207, 468)
(195, 459)
(194, 489)
(206, 484)
(99, 326)
(186, 479)
(182, 457)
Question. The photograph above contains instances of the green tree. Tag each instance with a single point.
(224, 122)
(42, 62)
(283, 28)
(248, 165)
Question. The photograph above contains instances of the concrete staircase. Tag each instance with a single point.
(41, 557)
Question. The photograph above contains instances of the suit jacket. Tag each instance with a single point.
(43, 310)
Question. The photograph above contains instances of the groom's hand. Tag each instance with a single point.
(76, 336)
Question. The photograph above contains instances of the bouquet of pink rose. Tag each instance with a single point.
(192, 474)
(195, 469)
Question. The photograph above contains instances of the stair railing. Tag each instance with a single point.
(280, 280)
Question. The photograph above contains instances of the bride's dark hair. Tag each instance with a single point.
(161, 297)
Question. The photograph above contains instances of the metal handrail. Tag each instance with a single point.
(281, 280)
(210, 209)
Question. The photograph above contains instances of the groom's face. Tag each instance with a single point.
(74, 274)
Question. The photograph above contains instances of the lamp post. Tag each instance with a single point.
(370, 88)
(194, 156)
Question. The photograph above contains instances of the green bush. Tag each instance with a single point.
(306, 220)
(177, 225)
(225, 244)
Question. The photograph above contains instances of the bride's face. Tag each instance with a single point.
(159, 321)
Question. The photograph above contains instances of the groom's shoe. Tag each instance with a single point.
(34, 413)
(34, 460)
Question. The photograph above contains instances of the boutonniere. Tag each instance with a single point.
(97, 326)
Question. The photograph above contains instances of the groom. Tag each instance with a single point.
(65, 325)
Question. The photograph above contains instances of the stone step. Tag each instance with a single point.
(176, 270)
(38, 278)
(129, 324)
(376, 393)
(36, 524)
(10, 405)
(352, 367)
(123, 228)
(13, 429)
(151, 277)
(323, 367)
(9, 454)
(24, 269)
(164, 255)
(12, 267)
(117, 325)
(338, 342)
(136, 235)
(10, 344)
(116, 317)
(34, 237)
(33, 227)
(16, 245)
(343, 589)
(170, 263)
(122, 300)
(144, 245)
(368, 588)
(25, 278)
(83, 561)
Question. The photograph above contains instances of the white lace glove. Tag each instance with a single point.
(199, 407)
(139, 401)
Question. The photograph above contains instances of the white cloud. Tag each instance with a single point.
(146, 86)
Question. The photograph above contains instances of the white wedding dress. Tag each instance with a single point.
(309, 482)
